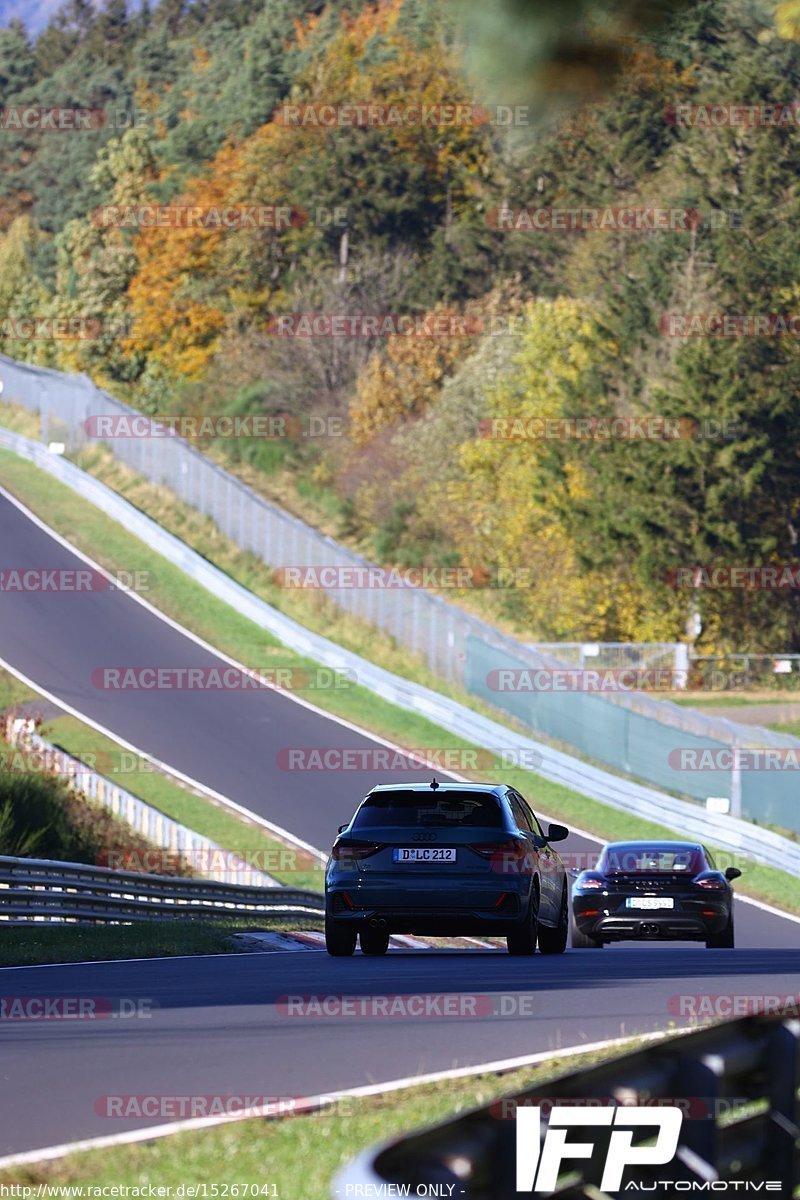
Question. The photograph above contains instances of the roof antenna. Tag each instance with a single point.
(434, 784)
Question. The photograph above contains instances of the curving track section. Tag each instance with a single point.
(214, 1031)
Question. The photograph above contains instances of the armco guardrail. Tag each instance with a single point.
(721, 830)
(42, 890)
(199, 852)
(633, 733)
(736, 1085)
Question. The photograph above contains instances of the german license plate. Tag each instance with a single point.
(650, 902)
(427, 854)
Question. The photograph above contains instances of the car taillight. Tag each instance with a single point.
(589, 882)
(488, 849)
(710, 883)
(350, 852)
(507, 858)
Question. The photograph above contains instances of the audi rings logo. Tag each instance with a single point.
(425, 837)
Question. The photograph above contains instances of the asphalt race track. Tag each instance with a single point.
(224, 1032)
(229, 741)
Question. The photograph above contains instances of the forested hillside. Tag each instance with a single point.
(198, 109)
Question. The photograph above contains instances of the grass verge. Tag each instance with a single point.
(180, 597)
(298, 1155)
(792, 727)
(25, 946)
(748, 699)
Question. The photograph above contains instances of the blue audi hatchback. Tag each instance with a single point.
(444, 860)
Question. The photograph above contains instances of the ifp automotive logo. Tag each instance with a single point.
(539, 1161)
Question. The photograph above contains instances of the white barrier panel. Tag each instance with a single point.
(206, 857)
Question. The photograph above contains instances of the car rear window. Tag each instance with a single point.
(652, 858)
(434, 808)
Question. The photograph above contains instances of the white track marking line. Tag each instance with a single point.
(321, 1101)
(280, 833)
(220, 654)
(105, 962)
(762, 904)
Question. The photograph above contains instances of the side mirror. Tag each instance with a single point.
(732, 873)
(341, 828)
(557, 833)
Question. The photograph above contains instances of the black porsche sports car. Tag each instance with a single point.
(653, 890)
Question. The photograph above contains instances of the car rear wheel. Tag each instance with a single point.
(582, 941)
(723, 940)
(374, 941)
(340, 940)
(554, 941)
(523, 939)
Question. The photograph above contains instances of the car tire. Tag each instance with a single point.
(340, 940)
(523, 939)
(374, 941)
(582, 941)
(723, 940)
(554, 941)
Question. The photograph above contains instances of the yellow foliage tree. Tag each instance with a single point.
(189, 280)
(503, 516)
(174, 323)
(787, 20)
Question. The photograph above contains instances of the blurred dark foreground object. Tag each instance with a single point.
(556, 54)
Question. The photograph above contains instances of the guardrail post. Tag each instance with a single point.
(782, 1066)
(736, 784)
(700, 1080)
